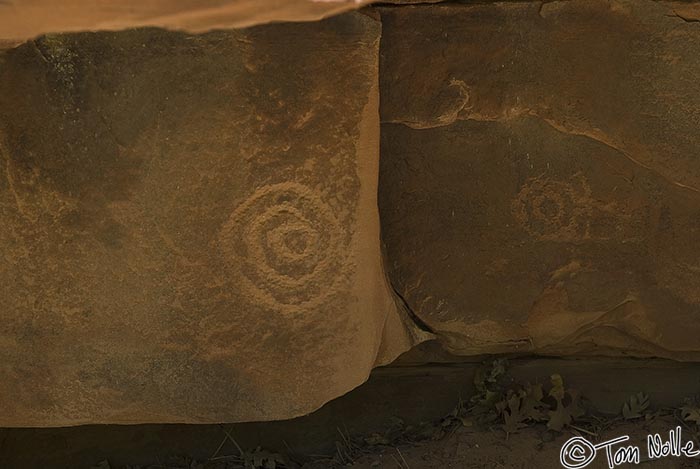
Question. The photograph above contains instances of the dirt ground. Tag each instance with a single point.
(403, 418)
(532, 448)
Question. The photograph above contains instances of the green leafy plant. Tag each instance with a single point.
(529, 404)
(499, 398)
(491, 382)
(522, 407)
(567, 408)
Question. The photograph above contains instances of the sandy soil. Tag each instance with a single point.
(532, 448)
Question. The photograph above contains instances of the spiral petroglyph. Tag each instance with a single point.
(285, 245)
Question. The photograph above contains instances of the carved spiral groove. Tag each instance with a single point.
(284, 243)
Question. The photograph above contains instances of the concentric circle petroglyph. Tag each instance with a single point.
(285, 245)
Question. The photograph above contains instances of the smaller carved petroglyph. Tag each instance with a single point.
(566, 211)
(554, 210)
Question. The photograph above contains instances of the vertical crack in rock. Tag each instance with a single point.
(422, 325)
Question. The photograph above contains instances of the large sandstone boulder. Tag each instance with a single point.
(540, 180)
(189, 227)
(188, 224)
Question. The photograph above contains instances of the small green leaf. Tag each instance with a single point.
(558, 418)
(635, 406)
(512, 417)
(557, 391)
(532, 406)
(691, 414)
(466, 422)
(567, 409)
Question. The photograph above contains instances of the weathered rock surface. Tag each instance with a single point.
(188, 224)
(23, 19)
(540, 174)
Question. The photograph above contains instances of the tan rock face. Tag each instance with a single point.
(540, 175)
(189, 227)
(22, 19)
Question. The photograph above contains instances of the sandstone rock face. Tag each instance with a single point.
(189, 227)
(22, 19)
(188, 224)
(540, 175)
